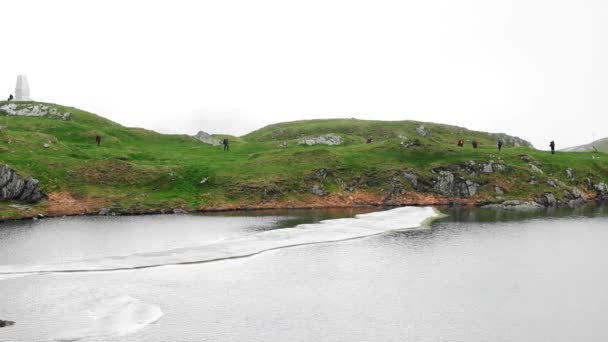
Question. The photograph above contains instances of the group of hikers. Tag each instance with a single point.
(500, 143)
(460, 143)
(10, 97)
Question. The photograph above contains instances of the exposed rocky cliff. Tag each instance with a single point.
(14, 187)
(32, 109)
(207, 138)
(327, 139)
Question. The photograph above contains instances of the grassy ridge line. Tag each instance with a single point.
(137, 169)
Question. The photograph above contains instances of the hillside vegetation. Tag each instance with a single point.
(136, 170)
(600, 145)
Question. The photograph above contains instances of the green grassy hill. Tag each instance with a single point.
(600, 145)
(136, 170)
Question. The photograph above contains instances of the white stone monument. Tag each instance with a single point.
(22, 90)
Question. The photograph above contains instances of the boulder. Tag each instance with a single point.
(412, 178)
(547, 200)
(445, 183)
(536, 169)
(317, 189)
(423, 131)
(570, 174)
(327, 139)
(602, 191)
(207, 138)
(14, 187)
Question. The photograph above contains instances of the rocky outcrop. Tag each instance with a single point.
(327, 139)
(207, 138)
(515, 205)
(6, 323)
(447, 184)
(423, 131)
(511, 140)
(602, 191)
(14, 187)
(33, 109)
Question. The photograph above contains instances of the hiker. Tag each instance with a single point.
(226, 144)
(369, 140)
(460, 143)
(10, 97)
(552, 145)
(500, 143)
(474, 143)
(98, 140)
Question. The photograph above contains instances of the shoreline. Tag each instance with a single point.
(35, 214)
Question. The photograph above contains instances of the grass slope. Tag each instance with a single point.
(143, 170)
(600, 145)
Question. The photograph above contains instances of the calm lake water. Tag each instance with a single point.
(476, 275)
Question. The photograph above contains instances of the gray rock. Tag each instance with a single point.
(498, 190)
(448, 185)
(412, 178)
(207, 138)
(423, 131)
(327, 139)
(317, 189)
(487, 168)
(13, 187)
(6, 323)
(33, 109)
(547, 200)
(570, 174)
(105, 212)
(179, 211)
(535, 168)
(602, 191)
(515, 205)
(321, 174)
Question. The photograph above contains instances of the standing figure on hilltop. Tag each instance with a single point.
(475, 143)
(552, 145)
(226, 144)
(500, 143)
(98, 140)
(10, 97)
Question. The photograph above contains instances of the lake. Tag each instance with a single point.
(309, 275)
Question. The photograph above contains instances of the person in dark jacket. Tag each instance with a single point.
(552, 145)
(98, 140)
(500, 143)
(226, 144)
(10, 97)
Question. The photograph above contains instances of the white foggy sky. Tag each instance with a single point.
(533, 68)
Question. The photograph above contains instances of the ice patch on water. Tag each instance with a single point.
(360, 226)
(113, 317)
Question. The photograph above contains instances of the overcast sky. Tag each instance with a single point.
(533, 68)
